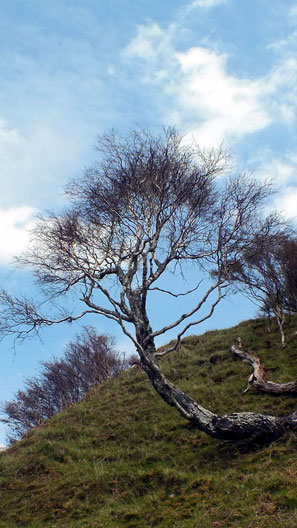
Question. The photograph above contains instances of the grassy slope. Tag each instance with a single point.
(122, 458)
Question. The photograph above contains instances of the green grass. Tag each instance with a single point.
(123, 458)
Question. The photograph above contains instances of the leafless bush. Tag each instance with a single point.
(88, 360)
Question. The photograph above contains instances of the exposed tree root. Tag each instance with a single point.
(258, 378)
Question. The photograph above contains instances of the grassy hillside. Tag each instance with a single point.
(123, 458)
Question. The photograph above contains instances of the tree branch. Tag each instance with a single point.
(258, 378)
(176, 294)
(178, 339)
(217, 286)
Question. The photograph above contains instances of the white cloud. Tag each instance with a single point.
(281, 89)
(225, 105)
(287, 203)
(197, 88)
(206, 3)
(9, 136)
(284, 45)
(14, 225)
(35, 163)
(282, 170)
(151, 44)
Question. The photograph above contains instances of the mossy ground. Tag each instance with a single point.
(122, 458)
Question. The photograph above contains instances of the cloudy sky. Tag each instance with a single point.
(220, 70)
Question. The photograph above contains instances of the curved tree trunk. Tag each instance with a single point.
(258, 378)
(235, 426)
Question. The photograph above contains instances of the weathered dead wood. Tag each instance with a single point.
(258, 378)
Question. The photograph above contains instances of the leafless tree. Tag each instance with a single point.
(151, 205)
(87, 361)
(287, 256)
(267, 273)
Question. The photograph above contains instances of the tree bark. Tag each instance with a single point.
(243, 426)
(258, 378)
(280, 319)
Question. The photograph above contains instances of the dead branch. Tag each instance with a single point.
(258, 378)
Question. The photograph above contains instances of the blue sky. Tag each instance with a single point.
(220, 70)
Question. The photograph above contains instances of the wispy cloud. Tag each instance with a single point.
(35, 163)
(281, 90)
(206, 3)
(53, 102)
(287, 201)
(8, 136)
(280, 169)
(200, 92)
(154, 47)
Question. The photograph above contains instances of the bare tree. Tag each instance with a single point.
(267, 273)
(287, 256)
(87, 361)
(151, 205)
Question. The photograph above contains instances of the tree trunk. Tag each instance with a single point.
(280, 319)
(268, 322)
(235, 426)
